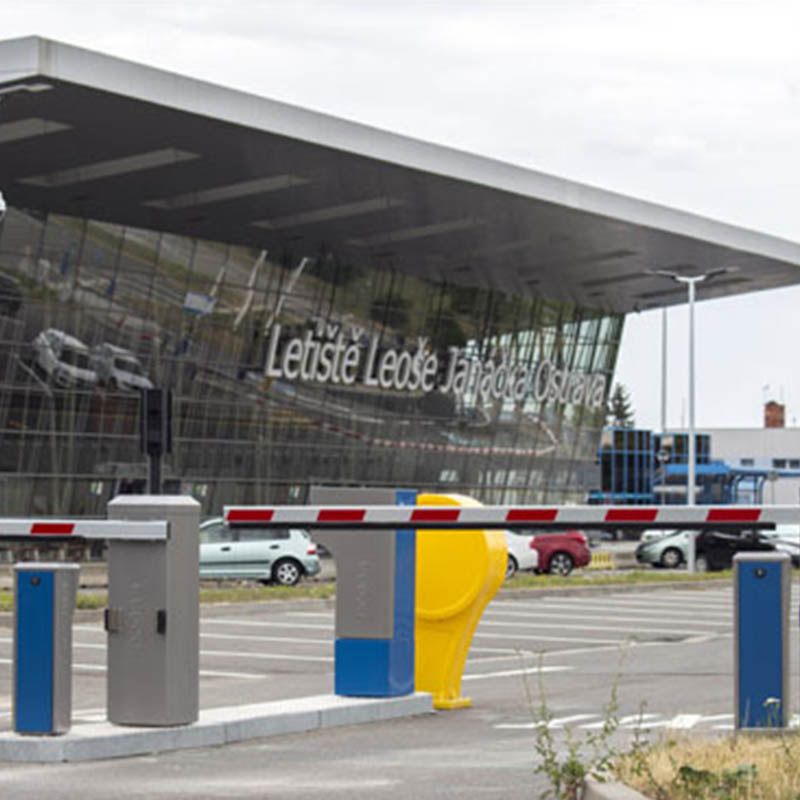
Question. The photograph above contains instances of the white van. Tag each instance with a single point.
(63, 359)
(119, 368)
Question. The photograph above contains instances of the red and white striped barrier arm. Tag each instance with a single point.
(82, 529)
(513, 516)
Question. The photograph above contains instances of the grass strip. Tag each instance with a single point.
(527, 581)
(749, 767)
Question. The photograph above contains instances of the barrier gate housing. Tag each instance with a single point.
(152, 619)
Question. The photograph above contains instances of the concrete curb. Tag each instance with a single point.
(217, 726)
(597, 790)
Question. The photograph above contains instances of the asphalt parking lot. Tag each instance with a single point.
(669, 651)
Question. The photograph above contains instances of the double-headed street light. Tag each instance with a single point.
(691, 282)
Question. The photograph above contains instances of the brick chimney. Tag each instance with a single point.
(774, 414)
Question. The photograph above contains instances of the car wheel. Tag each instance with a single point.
(701, 564)
(511, 567)
(671, 558)
(286, 572)
(560, 563)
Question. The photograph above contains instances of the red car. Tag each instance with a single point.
(561, 551)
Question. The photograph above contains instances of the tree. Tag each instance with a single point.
(619, 408)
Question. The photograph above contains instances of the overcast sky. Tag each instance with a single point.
(692, 104)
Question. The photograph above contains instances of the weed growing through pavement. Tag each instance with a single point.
(567, 766)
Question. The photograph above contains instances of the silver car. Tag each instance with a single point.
(276, 555)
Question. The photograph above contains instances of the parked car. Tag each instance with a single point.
(63, 359)
(118, 368)
(655, 534)
(561, 551)
(521, 555)
(791, 548)
(714, 550)
(786, 540)
(277, 555)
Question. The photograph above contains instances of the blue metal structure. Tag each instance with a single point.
(638, 467)
(627, 462)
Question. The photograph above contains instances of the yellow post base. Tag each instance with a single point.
(458, 573)
(446, 703)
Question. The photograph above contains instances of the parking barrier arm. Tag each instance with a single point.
(551, 517)
(14, 528)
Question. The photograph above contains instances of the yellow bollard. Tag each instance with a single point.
(458, 573)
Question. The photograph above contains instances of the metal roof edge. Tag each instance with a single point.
(70, 63)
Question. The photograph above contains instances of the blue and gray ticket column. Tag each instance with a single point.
(375, 580)
(44, 601)
(762, 593)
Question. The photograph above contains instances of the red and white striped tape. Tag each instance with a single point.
(83, 529)
(512, 516)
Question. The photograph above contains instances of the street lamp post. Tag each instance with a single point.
(691, 281)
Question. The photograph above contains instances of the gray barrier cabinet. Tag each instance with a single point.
(762, 592)
(44, 601)
(152, 619)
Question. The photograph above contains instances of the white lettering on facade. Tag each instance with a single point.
(329, 353)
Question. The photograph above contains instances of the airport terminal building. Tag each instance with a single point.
(328, 303)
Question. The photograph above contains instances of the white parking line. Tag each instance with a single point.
(283, 639)
(607, 608)
(274, 656)
(594, 626)
(237, 653)
(631, 721)
(557, 722)
(243, 637)
(634, 607)
(700, 596)
(477, 676)
(527, 637)
(684, 721)
(204, 673)
(590, 621)
(259, 624)
(489, 659)
(216, 673)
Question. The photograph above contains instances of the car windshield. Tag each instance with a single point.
(215, 532)
(75, 358)
(128, 365)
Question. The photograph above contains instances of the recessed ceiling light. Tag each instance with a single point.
(229, 191)
(108, 169)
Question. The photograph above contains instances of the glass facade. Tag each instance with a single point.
(284, 374)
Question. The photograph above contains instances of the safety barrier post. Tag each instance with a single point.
(44, 601)
(762, 593)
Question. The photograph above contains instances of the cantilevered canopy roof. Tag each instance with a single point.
(94, 136)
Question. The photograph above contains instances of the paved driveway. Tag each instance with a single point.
(668, 651)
